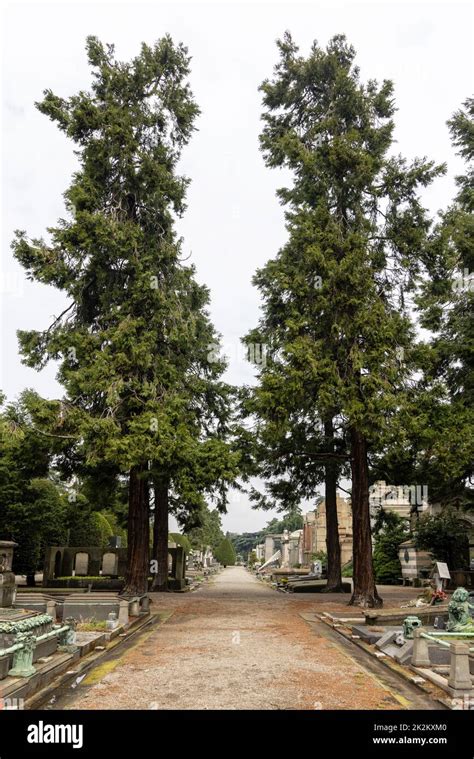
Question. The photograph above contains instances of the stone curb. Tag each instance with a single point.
(439, 695)
(91, 659)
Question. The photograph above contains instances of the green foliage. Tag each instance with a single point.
(117, 529)
(248, 540)
(225, 553)
(143, 395)
(390, 531)
(444, 536)
(348, 569)
(433, 438)
(291, 522)
(352, 210)
(33, 509)
(252, 558)
(245, 542)
(319, 556)
(336, 309)
(181, 540)
(92, 625)
(205, 529)
(90, 529)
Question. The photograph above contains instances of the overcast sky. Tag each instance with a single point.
(234, 222)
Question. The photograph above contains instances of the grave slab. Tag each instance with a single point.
(370, 635)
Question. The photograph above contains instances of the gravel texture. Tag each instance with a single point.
(234, 644)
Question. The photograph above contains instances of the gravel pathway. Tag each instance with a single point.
(233, 644)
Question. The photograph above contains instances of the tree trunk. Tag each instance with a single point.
(30, 580)
(160, 537)
(136, 579)
(334, 583)
(364, 591)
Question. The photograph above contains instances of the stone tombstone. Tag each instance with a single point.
(269, 546)
(112, 621)
(7, 577)
(109, 563)
(316, 568)
(285, 550)
(81, 563)
(441, 574)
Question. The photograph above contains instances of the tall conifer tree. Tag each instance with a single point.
(133, 343)
(336, 297)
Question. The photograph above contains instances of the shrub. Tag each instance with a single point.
(225, 553)
(390, 530)
(252, 558)
(180, 540)
(444, 536)
(90, 529)
(347, 569)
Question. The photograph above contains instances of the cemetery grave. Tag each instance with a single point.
(430, 644)
(43, 635)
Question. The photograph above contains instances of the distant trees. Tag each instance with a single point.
(37, 509)
(245, 542)
(207, 531)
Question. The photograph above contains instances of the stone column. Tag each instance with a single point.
(145, 605)
(421, 654)
(123, 613)
(51, 609)
(269, 547)
(285, 550)
(180, 565)
(459, 674)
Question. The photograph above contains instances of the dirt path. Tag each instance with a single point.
(233, 644)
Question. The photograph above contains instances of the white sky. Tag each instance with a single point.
(234, 222)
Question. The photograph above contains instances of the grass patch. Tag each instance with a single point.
(92, 625)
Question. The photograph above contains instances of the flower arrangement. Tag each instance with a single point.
(438, 597)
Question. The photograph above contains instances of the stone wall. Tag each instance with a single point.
(81, 561)
(314, 531)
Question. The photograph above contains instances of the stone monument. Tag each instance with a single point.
(25, 635)
(7, 578)
(285, 550)
(459, 609)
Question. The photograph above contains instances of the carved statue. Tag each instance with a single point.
(460, 619)
(409, 624)
(23, 658)
(67, 638)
